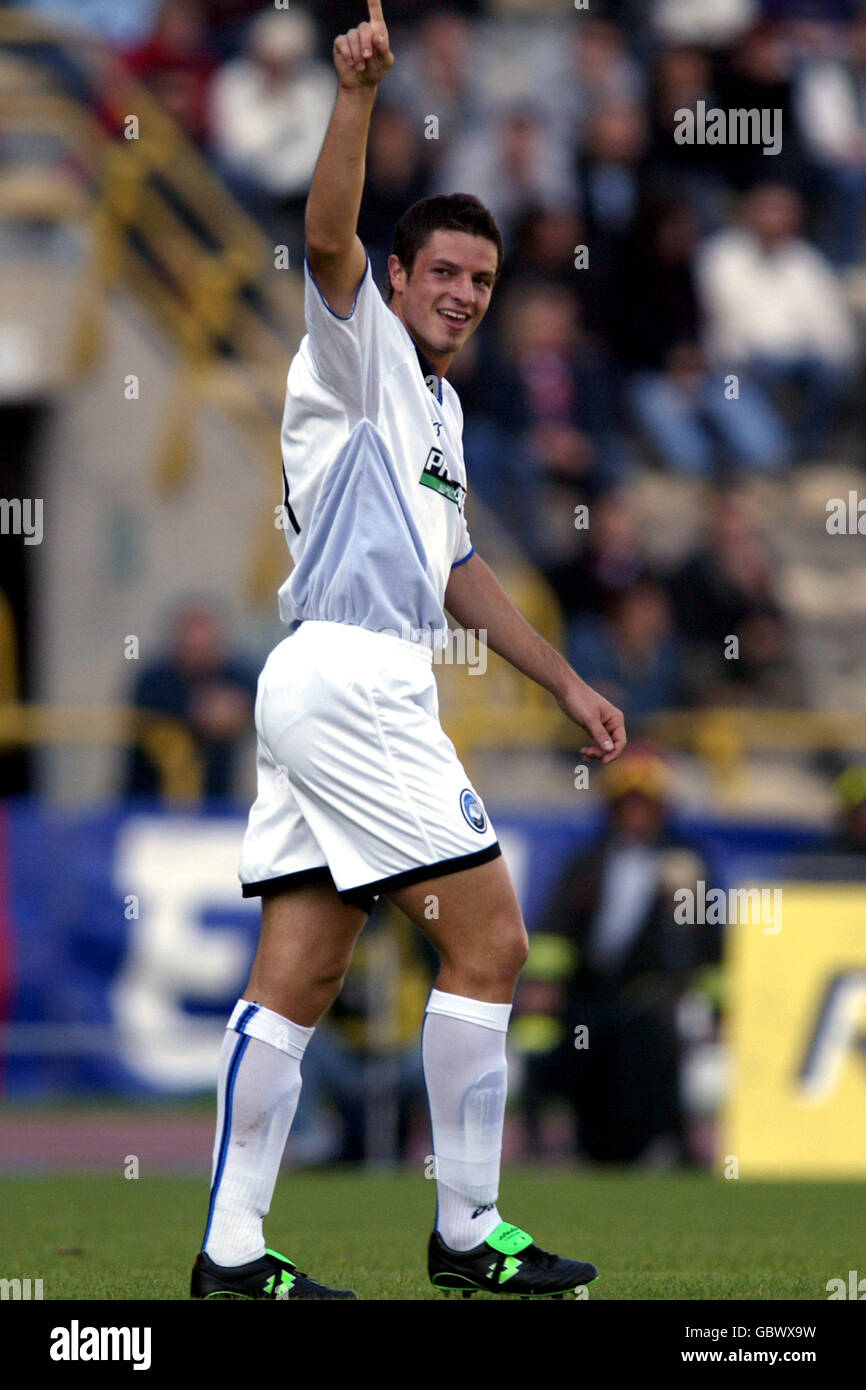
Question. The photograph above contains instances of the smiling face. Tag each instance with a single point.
(447, 294)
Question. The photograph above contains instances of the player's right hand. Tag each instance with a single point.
(363, 56)
(603, 721)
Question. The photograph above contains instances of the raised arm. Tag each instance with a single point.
(337, 258)
(475, 599)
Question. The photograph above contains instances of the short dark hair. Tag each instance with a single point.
(455, 212)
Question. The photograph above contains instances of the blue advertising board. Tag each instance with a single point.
(123, 931)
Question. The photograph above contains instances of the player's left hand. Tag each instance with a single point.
(602, 721)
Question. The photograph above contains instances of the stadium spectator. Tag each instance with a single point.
(611, 562)
(209, 691)
(590, 67)
(710, 22)
(726, 590)
(632, 652)
(397, 176)
(177, 63)
(549, 245)
(758, 76)
(544, 244)
(681, 77)
(657, 307)
(684, 415)
(515, 167)
(228, 21)
(606, 968)
(608, 169)
(548, 399)
(439, 76)
(831, 113)
(776, 314)
(680, 408)
(609, 163)
(839, 856)
(269, 111)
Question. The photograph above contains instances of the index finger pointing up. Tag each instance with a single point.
(374, 8)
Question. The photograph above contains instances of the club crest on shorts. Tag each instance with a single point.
(473, 811)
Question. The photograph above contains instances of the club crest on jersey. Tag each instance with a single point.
(435, 475)
(473, 811)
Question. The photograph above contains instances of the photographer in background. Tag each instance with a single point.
(606, 969)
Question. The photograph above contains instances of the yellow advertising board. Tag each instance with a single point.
(797, 1033)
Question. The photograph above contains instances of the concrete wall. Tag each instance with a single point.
(118, 553)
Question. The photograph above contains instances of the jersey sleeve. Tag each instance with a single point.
(465, 549)
(350, 354)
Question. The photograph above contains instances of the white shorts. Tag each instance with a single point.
(357, 782)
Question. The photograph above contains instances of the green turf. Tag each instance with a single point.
(658, 1237)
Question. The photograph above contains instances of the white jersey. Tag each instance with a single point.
(358, 785)
(374, 477)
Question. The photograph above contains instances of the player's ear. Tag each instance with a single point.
(396, 273)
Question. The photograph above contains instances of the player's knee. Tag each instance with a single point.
(495, 958)
(515, 950)
(328, 975)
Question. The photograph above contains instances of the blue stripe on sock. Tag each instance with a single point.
(245, 1017)
(231, 1078)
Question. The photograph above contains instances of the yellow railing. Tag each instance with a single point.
(723, 738)
(164, 739)
(206, 258)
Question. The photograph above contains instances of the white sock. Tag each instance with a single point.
(257, 1095)
(463, 1048)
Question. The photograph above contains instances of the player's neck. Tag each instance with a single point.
(440, 362)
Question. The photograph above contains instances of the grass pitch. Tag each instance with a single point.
(678, 1236)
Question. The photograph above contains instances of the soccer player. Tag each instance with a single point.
(360, 793)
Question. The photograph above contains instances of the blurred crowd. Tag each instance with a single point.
(685, 308)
